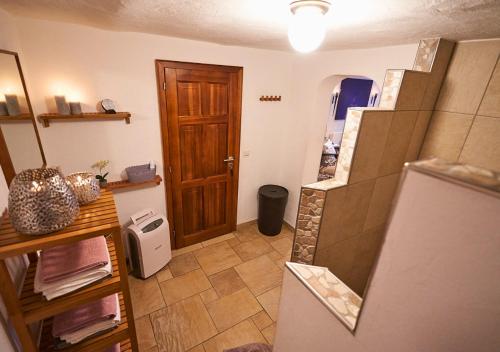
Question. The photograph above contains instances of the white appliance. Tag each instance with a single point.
(149, 243)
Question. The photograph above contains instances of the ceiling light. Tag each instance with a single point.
(307, 28)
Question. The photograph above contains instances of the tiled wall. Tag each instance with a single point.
(465, 125)
(376, 144)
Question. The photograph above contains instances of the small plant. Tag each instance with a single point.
(101, 165)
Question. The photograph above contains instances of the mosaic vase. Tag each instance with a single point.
(41, 202)
(85, 186)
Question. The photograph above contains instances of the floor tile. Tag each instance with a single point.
(198, 348)
(269, 333)
(241, 334)
(154, 349)
(283, 245)
(233, 241)
(262, 320)
(184, 286)
(145, 335)
(260, 274)
(146, 296)
(217, 257)
(184, 250)
(226, 282)
(270, 300)
(182, 326)
(218, 239)
(230, 310)
(183, 264)
(247, 232)
(209, 296)
(164, 274)
(252, 249)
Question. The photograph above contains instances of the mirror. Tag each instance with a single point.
(20, 145)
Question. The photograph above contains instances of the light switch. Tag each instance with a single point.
(246, 153)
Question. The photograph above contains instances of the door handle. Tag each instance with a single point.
(229, 159)
(230, 163)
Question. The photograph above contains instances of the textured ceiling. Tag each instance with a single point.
(263, 23)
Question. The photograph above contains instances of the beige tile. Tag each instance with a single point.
(217, 257)
(269, 333)
(439, 67)
(226, 282)
(164, 274)
(490, 105)
(390, 89)
(370, 145)
(260, 274)
(468, 74)
(187, 249)
(232, 309)
(398, 140)
(198, 348)
(482, 147)
(218, 239)
(338, 258)
(146, 296)
(209, 296)
(330, 230)
(184, 286)
(154, 349)
(252, 249)
(417, 137)
(243, 333)
(183, 264)
(262, 320)
(145, 335)
(270, 300)
(381, 201)
(283, 245)
(233, 241)
(412, 90)
(247, 232)
(183, 325)
(446, 135)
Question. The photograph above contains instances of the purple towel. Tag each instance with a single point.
(65, 261)
(83, 316)
(252, 347)
(114, 348)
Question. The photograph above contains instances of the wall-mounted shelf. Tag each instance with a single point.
(87, 116)
(125, 185)
(22, 117)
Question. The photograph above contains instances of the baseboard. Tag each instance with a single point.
(251, 222)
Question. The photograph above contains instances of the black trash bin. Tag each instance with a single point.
(272, 203)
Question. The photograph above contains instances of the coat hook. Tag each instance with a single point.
(270, 98)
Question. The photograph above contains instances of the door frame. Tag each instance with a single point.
(161, 65)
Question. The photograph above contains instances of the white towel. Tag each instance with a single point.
(64, 286)
(82, 334)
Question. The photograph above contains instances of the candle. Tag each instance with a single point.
(12, 104)
(3, 109)
(62, 106)
(75, 107)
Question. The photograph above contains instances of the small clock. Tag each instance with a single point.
(108, 106)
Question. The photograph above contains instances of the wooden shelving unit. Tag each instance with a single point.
(17, 118)
(45, 119)
(125, 185)
(96, 219)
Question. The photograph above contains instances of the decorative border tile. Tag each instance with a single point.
(426, 52)
(390, 90)
(351, 129)
(333, 293)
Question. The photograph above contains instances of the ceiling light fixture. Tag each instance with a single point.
(307, 28)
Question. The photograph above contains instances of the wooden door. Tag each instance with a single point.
(200, 108)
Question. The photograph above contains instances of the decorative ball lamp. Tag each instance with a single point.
(307, 28)
(85, 186)
(41, 202)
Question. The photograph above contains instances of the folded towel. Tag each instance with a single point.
(64, 286)
(86, 315)
(64, 261)
(115, 348)
(252, 347)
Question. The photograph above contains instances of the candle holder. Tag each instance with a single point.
(85, 186)
(12, 104)
(3, 109)
(75, 108)
(62, 106)
(41, 202)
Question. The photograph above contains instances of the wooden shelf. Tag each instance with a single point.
(17, 118)
(98, 343)
(125, 185)
(95, 219)
(87, 116)
(35, 307)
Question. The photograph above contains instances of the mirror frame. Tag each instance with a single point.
(5, 160)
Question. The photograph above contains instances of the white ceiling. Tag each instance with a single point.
(263, 23)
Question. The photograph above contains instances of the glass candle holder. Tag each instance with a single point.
(75, 108)
(3, 109)
(12, 104)
(62, 106)
(85, 186)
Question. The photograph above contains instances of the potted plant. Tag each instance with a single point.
(101, 165)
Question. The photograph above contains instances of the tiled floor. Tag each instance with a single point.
(214, 295)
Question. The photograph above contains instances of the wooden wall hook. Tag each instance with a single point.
(270, 98)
